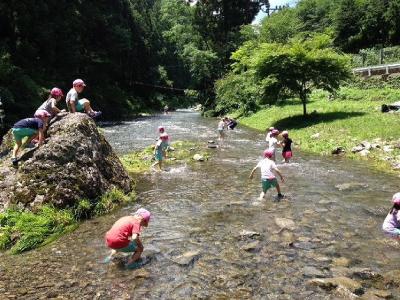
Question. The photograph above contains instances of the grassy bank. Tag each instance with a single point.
(139, 162)
(354, 116)
(25, 230)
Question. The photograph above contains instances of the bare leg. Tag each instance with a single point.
(16, 148)
(278, 188)
(135, 256)
(262, 194)
(88, 109)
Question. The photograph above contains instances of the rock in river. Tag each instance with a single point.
(186, 258)
(76, 162)
(284, 223)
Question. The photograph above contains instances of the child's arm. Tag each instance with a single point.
(41, 136)
(252, 172)
(280, 174)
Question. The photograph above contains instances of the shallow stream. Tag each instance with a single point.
(197, 245)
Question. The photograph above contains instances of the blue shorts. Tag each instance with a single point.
(130, 248)
(394, 233)
(268, 183)
(80, 105)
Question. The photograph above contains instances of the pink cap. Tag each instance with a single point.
(268, 153)
(161, 128)
(42, 114)
(78, 82)
(285, 133)
(164, 136)
(396, 199)
(56, 92)
(275, 132)
(144, 213)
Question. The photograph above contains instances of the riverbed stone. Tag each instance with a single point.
(310, 271)
(198, 157)
(377, 294)
(365, 273)
(357, 149)
(341, 262)
(249, 233)
(392, 278)
(186, 258)
(251, 246)
(75, 162)
(364, 152)
(330, 283)
(349, 186)
(285, 223)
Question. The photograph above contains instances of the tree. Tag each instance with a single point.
(280, 26)
(282, 70)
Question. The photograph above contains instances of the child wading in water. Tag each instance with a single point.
(391, 225)
(286, 146)
(221, 128)
(268, 179)
(124, 236)
(160, 150)
(273, 143)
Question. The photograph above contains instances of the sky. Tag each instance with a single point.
(273, 3)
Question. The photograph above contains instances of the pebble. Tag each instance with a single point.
(250, 246)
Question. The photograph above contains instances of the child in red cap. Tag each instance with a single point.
(124, 235)
(268, 178)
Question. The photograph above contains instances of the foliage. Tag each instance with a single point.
(25, 230)
(280, 27)
(281, 70)
(338, 122)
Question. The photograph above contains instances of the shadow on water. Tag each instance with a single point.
(300, 121)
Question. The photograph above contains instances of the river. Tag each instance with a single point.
(197, 245)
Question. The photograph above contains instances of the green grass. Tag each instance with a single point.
(139, 162)
(354, 116)
(25, 230)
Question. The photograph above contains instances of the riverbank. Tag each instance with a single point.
(352, 118)
(22, 230)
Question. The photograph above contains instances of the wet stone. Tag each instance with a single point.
(250, 246)
(365, 273)
(350, 186)
(341, 262)
(284, 223)
(377, 294)
(310, 271)
(249, 234)
(186, 258)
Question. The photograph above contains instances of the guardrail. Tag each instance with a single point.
(383, 70)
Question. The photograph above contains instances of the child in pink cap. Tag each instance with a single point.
(391, 225)
(268, 178)
(75, 104)
(124, 236)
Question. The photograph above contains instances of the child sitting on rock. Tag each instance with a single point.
(268, 179)
(124, 236)
(28, 128)
(391, 225)
(75, 104)
(160, 150)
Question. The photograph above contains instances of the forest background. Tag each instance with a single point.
(139, 55)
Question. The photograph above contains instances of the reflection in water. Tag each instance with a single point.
(195, 242)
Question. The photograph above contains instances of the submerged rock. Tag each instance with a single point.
(198, 157)
(284, 223)
(186, 258)
(351, 186)
(76, 162)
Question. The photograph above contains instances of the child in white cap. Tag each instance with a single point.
(75, 104)
(391, 225)
(124, 235)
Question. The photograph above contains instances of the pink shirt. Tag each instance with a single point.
(118, 236)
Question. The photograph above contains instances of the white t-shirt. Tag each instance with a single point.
(267, 166)
(221, 125)
(72, 95)
(272, 143)
(268, 137)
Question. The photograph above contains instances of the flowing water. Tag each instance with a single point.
(196, 246)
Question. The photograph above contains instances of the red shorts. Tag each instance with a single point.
(287, 154)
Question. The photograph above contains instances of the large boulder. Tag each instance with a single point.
(75, 162)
